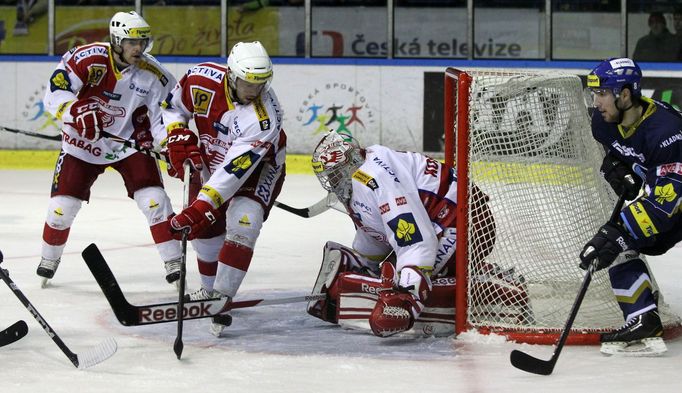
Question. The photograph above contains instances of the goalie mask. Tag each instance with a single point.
(335, 159)
(130, 26)
(250, 71)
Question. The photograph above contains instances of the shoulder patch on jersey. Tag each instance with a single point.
(96, 73)
(365, 179)
(147, 66)
(405, 230)
(241, 164)
(262, 114)
(201, 99)
(60, 81)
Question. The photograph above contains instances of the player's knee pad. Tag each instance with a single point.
(62, 211)
(154, 204)
(244, 221)
(208, 249)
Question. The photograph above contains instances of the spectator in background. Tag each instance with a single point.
(659, 45)
(677, 25)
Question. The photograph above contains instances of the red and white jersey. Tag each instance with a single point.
(89, 71)
(235, 139)
(402, 201)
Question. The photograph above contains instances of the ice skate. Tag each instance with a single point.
(46, 269)
(640, 336)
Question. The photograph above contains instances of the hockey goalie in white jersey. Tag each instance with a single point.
(399, 273)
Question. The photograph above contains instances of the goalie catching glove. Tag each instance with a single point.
(182, 144)
(605, 246)
(87, 119)
(195, 217)
(620, 176)
(400, 303)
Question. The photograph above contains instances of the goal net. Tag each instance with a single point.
(524, 140)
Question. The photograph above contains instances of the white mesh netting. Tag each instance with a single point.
(531, 151)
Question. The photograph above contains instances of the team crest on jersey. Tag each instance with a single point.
(240, 165)
(405, 230)
(201, 99)
(60, 81)
(667, 197)
(96, 73)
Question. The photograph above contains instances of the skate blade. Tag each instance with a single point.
(648, 347)
(44, 282)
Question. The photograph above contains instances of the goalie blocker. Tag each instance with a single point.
(356, 293)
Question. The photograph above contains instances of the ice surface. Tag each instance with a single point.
(270, 348)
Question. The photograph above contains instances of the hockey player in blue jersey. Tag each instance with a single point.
(643, 141)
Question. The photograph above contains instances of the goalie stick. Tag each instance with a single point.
(132, 315)
(528, 363)
(13, 333)
(305, 212)
(85, 359)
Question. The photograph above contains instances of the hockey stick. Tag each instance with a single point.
(90, 357)
(33, 134)
(528, 363)
(305, 212)
(178, 345)
(13, 333)
(131, 315)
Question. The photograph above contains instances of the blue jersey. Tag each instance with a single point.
(653, 146)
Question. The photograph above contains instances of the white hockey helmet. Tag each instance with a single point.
(249, 61)
(130, 25)
(335, 159)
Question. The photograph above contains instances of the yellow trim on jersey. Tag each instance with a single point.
(643, 220)
(230, 105)
(629, 131)
(147, 66)
(213, 195)
(261, 112)
(117, 73)
(177, 124)
(62, 109)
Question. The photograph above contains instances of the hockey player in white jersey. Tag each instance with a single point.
(403, 207)
(240, 151)
(113, 88)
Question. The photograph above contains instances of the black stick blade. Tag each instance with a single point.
(13, 333)
(525, 362)
(178, 347)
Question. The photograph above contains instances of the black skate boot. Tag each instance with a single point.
(640, 336)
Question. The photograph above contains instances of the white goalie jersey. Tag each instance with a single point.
(401, 201)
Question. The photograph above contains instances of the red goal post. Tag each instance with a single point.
(524, 139)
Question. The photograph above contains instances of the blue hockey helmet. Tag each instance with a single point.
(615, 74)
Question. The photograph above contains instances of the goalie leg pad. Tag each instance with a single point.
(336, 260)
